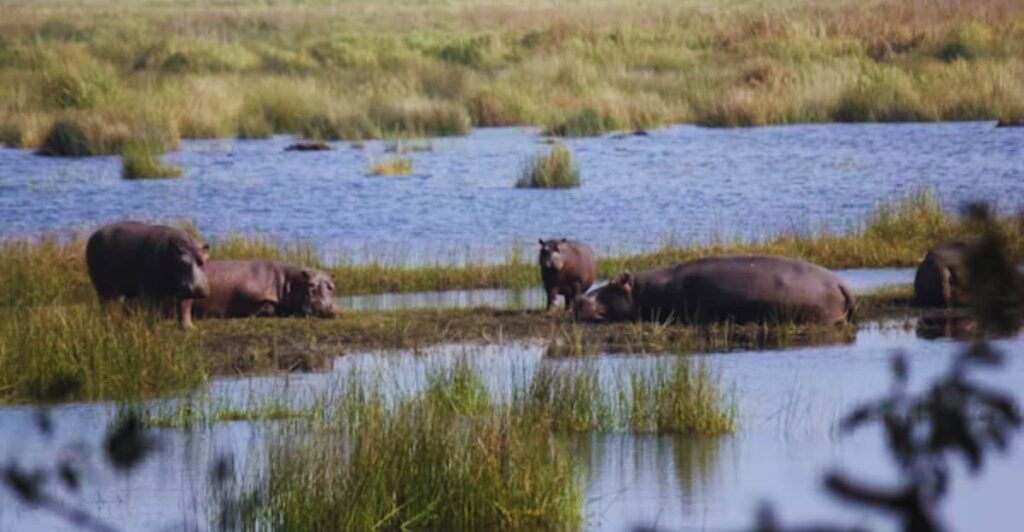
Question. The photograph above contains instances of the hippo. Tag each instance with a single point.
(738, 288)
(941, 278)
(567, 268)
(241, 288)
(153, 263)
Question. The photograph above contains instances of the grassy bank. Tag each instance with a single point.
(896, 234)
(456, 455)
(118, 68)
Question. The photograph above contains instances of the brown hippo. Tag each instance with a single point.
(941, 278)
(567, 268)
(240, 288)
(739, 288)
(160, 264)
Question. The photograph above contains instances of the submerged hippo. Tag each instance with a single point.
(941, 278)
(156, 263)
(240, 288)
(567, 268)
(736, 288)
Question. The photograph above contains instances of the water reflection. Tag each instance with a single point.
(860, 280)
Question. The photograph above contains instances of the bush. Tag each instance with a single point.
(142, 161)
(882, 95)
(967, 42)
(587, 122)
(66, 139)
(554, 170)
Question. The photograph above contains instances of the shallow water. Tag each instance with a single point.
(681, 182)
(860, 280)
(788, 403)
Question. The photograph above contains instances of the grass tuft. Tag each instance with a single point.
(554, 170)
(392, 166)
(141, 161)
(587, 122)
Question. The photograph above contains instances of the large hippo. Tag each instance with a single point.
(567, 268)
(240, 288)
(155, 263)
(941, 278)
(738, 288)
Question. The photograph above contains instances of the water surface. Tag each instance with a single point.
(682, 182)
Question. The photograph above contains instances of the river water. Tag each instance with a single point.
(680, 183)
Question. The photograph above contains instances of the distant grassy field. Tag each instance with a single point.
(121, 69)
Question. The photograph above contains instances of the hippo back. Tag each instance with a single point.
(134, 259)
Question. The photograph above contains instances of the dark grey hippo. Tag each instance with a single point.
(155, 263)
(241, 288)
(567, 268)
(738, 288)
(941, 278)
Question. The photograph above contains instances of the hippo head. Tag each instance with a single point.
(186, 258)
(314, 294)
(550, 254)
(611, 302)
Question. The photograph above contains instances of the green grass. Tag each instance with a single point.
(61, 353)
(457, 456)
(139, 161)
(897, 234)
(365, 70)
(391, 166)
(557, 169)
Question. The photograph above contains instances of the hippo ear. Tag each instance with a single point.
(541, 240)
(307, 275)
(563, 241)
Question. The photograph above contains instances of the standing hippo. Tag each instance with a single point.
(240, 288)
(941, 278)
(739, 288)
(155, 263)
(567, 268)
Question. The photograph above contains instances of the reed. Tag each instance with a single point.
(391, 166)
(557, 169)
(139, 161)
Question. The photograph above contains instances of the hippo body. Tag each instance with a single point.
(155, 263)
(567, 267)
(941, 278)
(738, 288)
(242, 288)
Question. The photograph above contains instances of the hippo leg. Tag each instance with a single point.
(552, 297)
(266, 309)
(572, 294)
(184, 308)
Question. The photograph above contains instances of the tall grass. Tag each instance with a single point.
(457, 456)
(77, 352)
(556, 169)
(360, 70)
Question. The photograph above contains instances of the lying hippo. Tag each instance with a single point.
(737, 288)
(941, 278)
(240, 288)
(567, 268)
(157, 263)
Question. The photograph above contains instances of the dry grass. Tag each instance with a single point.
(363, 69)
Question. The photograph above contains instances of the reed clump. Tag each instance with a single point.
(392, 166)
(556, 169)
(142, 161)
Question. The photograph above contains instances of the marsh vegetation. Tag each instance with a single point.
(114, 69)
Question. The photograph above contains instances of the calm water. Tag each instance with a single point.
(860, 280)
(788, 402)
(682, 182)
